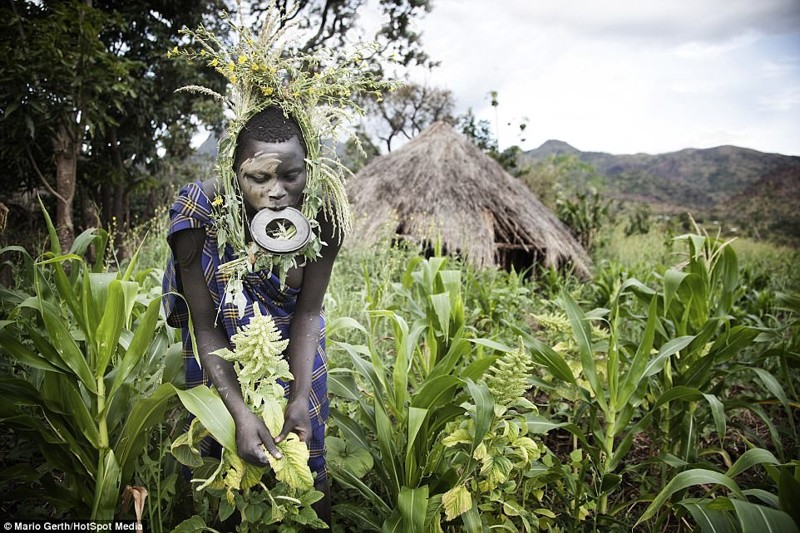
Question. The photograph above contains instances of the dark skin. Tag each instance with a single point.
(270, 175)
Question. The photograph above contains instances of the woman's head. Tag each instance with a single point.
(269, 161)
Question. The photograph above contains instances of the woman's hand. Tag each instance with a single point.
(296, 420)
(252, 437)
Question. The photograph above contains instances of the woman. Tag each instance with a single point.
(270, 167)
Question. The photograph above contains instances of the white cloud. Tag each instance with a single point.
(780, 67)
(784, 100)
(623, 75)
(714, 49)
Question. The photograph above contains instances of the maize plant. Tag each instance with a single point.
(84, 346)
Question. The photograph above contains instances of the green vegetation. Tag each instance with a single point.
(669, 365)
(660, 396)
(747, 192)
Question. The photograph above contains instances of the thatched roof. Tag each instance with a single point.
(440, 184)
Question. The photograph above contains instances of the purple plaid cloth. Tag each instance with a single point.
(192, 209)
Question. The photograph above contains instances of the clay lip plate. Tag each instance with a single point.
(262, 220)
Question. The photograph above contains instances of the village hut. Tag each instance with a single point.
(440, 187)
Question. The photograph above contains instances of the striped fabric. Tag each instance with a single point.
(192, 210)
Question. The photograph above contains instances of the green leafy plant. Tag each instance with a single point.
(668, 364)
(80, 344)
(497, 482)
(259, 364)
(406, 400)
(773, 512)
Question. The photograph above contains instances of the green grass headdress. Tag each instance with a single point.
(317, 91)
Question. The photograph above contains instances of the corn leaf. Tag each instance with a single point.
(144, 414)
(67, 293)
(413, 506)
(107, 490)
(582, 332)
(415, 453)
(349, 480)
(442, 308)
(342, 383)
(22, 354)
(718, 413)
(389, 459)
(549, 358)
(667, 350)
(484, 409)
(789, 493)
(435, 392)
(137, 348)
(65, 345)
(472, 521)
(350, 429)
(755, 518)
(750, 458)
(110, 327)
(357, 514)
(686, 479)
(636, 371)
(55, 247)
(206, 405)
(84, 421)
(710, 520)
(365, 368)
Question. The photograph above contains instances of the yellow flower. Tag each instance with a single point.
(242, 59)
(231, 66)
(214, 62)
(267, 91)
(217, 201)
(233, 78)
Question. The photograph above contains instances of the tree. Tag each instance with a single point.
(91, 84)
(480, 133)
(155, 130)
(59, 85)
(571, 188)
(332, 23)
(408, 110)
(88, 108)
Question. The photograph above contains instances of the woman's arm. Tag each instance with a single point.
(250, 429)
(305, 331)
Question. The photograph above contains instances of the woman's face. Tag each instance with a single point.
(272, 175)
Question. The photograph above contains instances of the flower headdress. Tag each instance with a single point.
(316, 90)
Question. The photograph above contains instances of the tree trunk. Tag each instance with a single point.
(119, 211)
(65, 150)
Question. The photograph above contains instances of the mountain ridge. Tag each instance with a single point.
(725, 182)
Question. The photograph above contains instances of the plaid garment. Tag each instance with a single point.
(193, 210)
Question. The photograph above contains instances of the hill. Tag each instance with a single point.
(739, 185)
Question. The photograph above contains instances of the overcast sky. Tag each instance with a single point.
(624, 76)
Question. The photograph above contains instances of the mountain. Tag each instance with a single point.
(738, 185)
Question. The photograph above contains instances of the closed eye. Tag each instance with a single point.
(258, 178)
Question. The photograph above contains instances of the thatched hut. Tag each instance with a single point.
(441, 186)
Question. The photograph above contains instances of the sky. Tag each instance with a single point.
(623, 76)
